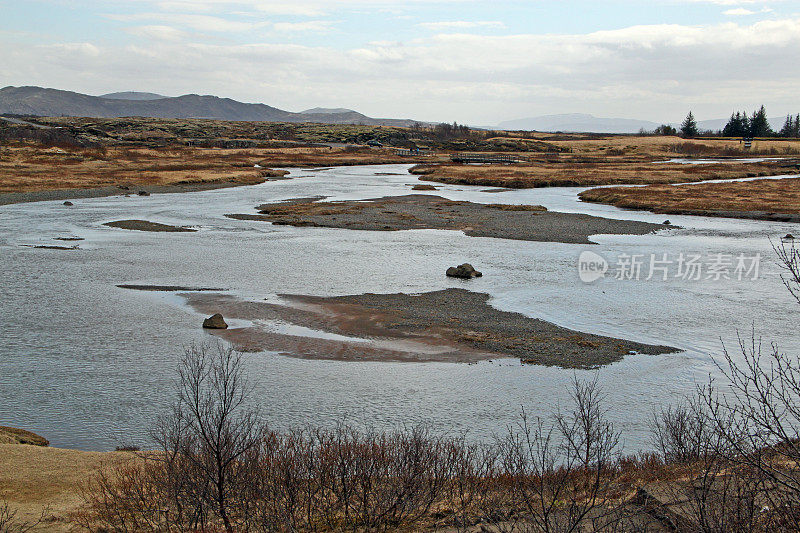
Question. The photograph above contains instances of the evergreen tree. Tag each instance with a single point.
(759, 125)
(732, 128)
(737, 126)
(788, 127)
(689, 126)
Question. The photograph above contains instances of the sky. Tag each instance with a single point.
(475, 62)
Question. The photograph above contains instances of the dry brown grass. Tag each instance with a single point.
(570, 172)
(28, 167)
(608, 160)
(34, 479)
(768, 196)
(669, 147)
(20, 436)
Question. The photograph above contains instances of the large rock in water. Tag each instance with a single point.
(463, 271)
(215, 322)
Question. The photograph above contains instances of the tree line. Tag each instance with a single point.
(741, 124)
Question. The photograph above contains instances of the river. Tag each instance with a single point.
(89, 365)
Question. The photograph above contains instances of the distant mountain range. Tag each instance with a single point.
(583, 123)
(133, 95)
(39, 101)
(578, 123)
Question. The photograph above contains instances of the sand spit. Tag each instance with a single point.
(167, 288)
(424, 211)
(145, 225)
(452, 325)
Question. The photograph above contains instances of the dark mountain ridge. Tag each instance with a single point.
(38, 101)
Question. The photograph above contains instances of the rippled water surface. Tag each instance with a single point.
(90, 365)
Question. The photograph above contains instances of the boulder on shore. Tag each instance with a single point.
(465, 271)
(215, 322)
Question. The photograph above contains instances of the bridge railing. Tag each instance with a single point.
(467, 157)
(413, 153)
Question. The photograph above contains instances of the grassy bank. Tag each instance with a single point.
(29, 167)
(579, 172)
(766, 199)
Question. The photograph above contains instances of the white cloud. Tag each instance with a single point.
(316, 26)
(461, 24)
(653, 71)
(738, 12)
(205, 23)
(158, 32)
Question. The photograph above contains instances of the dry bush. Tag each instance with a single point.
(219, 467)
(9, 523)
(681, 433)
(558, 474)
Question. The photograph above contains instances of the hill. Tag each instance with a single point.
(326, 111)
(133, 95)
(578, 123)
(38, 101)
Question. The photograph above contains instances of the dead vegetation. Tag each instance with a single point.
(31, 167)
(571, 172)
(218, 468)
(20, 436)
(768, 198)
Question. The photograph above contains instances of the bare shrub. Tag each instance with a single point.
(681, 433)
(559, 474)
(207, 446)
(712, 493)
(757, 420)
(789, 260)
(9, 523)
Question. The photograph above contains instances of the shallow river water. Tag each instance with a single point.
(90, 365)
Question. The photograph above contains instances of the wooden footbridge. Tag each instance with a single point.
(500, 159)
(413, 153)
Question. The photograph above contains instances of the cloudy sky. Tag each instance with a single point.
(478, 62)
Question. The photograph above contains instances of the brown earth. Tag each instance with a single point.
(768, 199)
(425, 211)
(452, 325)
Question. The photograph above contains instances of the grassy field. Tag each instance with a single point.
(29, 167)
(86, 153)
(40, 482)
(571, 172)
(758, 198)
